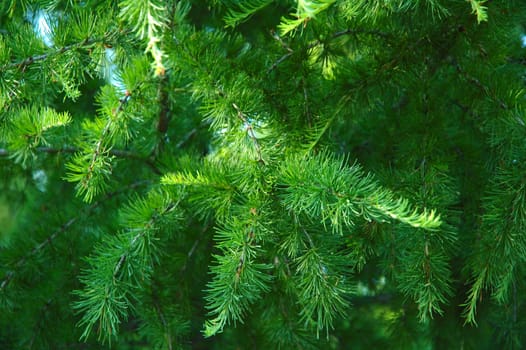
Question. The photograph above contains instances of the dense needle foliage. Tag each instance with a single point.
(262, 174)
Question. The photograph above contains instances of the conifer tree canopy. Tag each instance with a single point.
(218, 174)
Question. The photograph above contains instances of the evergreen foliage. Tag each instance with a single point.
(245, 174)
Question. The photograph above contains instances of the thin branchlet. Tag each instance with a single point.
(250, 132)
(24, 63)
(99, 147)
(476, 82)
(4, 152)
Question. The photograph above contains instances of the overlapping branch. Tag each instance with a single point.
(24, 63)
(291, 52)
(250, 132)
(63, 228)
(71, 150)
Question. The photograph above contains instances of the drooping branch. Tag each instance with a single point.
(140, 235)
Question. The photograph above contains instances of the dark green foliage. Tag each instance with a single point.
(323, 174)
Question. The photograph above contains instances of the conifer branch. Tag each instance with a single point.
(91, 178)
(162, 97)
(289, 53)
(38, 327)
(63, 228)
(99, 146)
(166, 328)
(193, 248)
(476, 82)
(320, 42)
(306, 102)
(311, 242)
(140, 235)
(279, 61)
(186, 138)
(11, 95)
(292, 222)
(101, 298)
(114, 152)
(501, 246)
(250, 132)
(24, 63)
(238, 280)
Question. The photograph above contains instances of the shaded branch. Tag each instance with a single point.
(194, 247)
(160, 314)
(487, 91)
(86, 212)
(320, 42)
(479, 85)
(40, 324)
(162, 98)
(367, 300)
